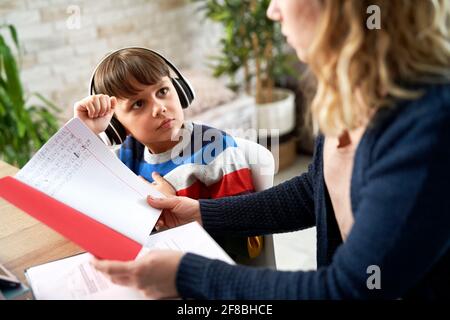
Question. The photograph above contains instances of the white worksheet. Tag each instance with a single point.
(78, 169)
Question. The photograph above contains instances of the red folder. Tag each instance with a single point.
(91, 235)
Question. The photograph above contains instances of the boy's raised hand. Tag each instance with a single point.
(95, 111)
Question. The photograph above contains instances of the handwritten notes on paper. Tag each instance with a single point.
(76, 168)
(62, 157)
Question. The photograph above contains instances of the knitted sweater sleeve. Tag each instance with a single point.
(286, 207)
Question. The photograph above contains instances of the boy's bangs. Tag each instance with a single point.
(122, 75)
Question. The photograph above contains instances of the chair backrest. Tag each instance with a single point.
(262, 165)
(261, 161)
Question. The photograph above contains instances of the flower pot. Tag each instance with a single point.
(276, 122)
(277, 115)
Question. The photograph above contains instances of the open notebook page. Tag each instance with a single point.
(76, 168)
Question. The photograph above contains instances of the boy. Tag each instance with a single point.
(135, 85)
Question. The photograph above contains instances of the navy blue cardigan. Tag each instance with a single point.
(400, 196)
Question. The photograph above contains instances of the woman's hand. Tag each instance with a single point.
(161, 184)
(95, 111)
(176, 211)
(153, 274)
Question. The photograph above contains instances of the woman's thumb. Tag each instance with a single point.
(162, 203)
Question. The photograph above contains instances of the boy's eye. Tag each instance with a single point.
(163, 92)
(138, 104)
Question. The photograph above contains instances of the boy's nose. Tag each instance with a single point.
(158, 110)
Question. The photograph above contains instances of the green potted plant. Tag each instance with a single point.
(24, 126)
(253, 46)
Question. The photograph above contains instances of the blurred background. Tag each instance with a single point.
(245, 77)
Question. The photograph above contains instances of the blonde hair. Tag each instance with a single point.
(360, 70)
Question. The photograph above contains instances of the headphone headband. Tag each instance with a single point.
(190, 95)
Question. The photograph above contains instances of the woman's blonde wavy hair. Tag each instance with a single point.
(360, 70)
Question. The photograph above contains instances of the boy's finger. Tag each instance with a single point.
(103, 105)
(81, 106)
(113, 101)
(91, 109)
(97, 107)
(157, 177)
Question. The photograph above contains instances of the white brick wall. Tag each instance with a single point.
(57, 61)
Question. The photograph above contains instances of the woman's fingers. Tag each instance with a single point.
(162, 203)
(112, 268)
(122, 280)
(160, 225)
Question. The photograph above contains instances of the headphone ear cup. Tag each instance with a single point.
(116, 132)
(187, 90)
(183, 92)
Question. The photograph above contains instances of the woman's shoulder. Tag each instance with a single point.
(433, 105)
(423, 120)
(433, 101)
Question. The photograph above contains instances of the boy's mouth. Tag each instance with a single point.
(166, 124)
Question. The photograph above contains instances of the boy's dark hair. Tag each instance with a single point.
(119, 74)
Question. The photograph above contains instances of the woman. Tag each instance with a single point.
(377, 189)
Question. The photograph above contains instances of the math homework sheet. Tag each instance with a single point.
(77, 169)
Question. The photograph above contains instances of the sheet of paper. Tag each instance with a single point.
(76, 168)
(74, 278)
(191, 238)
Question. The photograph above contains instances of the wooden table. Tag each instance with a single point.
(24, 241)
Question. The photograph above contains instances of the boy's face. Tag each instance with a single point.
(154, 115)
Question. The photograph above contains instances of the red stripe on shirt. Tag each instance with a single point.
(231, 184)
(197, 190)
(234, 183)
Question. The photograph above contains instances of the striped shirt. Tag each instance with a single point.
(205, 164)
